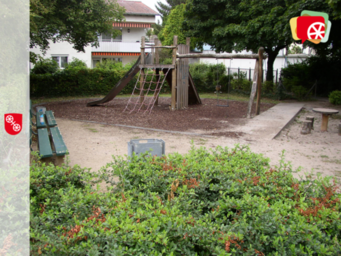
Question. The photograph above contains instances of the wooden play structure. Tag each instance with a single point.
(177, 75)
(183, 91)
(257, 76)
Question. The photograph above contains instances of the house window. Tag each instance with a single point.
(61, 60)
(106, 37)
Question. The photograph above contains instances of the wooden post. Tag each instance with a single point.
(253, 89)
(156, 42)
(259, 81)
(306, 128)
(157, 71)
(324, 125)
(173, 98)
(188, 42)
(312, 119)
(143, 40)
(182, 71)
(276, 76)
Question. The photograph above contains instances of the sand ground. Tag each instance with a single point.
(92, 145)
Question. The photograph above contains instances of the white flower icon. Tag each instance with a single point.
(16, 127)
(9, 119)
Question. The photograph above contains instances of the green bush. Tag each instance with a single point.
(268, 87)
(218, 202)
(299, 91)
(76, 64)
(207, 76)
(109, 65)
(335, 97)
(320, 69)
(45, 66)
(240, 83)
(77, 81)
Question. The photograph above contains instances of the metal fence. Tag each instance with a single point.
(248, 74)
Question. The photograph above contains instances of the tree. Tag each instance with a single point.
(157, 27)
(76, 21)
(164, 10)
(173, 27)
(295, 49)
(336, 6)
(240, 25)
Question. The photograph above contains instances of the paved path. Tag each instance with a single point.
(270, 123)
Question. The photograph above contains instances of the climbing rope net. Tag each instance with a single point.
(151, 83)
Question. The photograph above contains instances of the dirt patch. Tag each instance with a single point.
(92, 145)
(206, 117)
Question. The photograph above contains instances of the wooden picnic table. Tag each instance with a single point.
(326, 112)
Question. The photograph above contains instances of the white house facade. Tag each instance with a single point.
(124, 48)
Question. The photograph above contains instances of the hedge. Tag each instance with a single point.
(86, 82)
(324, 71)
(217, 202)
(207, 76)
(77, 83)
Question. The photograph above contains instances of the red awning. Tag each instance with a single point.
(116, 54)
(131, 25)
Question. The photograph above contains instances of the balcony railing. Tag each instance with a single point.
(117, 46)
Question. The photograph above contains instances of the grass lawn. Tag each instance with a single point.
(231, 96)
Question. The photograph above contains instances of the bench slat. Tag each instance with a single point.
(51, 121)
(39, 125)
(58, 141)
(45, 149)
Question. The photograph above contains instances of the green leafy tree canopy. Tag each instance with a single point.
(173, 27)
(76, 21)
(240, 25)
(164, 9)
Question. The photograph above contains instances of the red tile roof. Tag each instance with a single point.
(136, 7)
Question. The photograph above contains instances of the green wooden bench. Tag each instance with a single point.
(50, 140)
(49, 120)
(51, 145)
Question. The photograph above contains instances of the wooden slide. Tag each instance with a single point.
(122, 83)
(193, 96)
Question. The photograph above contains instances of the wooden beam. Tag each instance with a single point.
(143, 40)
(156, 66)
(220, 56)
(173, 97)
(157, 58)
(259, 81)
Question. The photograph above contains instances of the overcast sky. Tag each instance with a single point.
(151, 4)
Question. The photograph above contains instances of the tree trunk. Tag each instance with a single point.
(269, 72)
